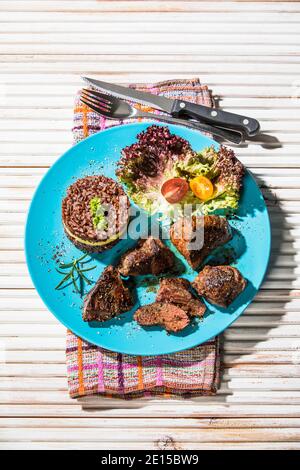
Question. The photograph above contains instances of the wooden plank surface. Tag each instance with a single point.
(252, 65)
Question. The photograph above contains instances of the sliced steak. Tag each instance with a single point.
(177, 291)
(211, 230)
(108, 298)
(150, 256)
(169, 316)
(220, 285)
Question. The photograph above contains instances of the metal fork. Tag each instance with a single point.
(115, 108)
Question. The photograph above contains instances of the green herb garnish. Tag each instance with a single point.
(75, 274)
(98, 214)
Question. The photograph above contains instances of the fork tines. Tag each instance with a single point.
(96, 101)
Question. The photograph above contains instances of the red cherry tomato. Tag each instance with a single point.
(174, 189)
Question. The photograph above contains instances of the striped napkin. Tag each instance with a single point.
(93, 370)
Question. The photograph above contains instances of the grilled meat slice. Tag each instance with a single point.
(177, 291)
(150, 256)
(211, 230)
(108, 298)
(169, 316)
(220, 285)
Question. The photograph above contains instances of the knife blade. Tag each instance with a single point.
(158, 102)
(180, 108)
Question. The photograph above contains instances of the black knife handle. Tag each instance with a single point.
(215, 117)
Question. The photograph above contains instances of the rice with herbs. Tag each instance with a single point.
(94, 212)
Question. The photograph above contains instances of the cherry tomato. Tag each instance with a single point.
(174, 189)
(202, 187)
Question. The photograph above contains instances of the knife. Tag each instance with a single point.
(181, 108)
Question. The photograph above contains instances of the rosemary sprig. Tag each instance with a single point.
(75, 274)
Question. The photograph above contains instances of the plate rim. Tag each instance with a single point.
(83, 336)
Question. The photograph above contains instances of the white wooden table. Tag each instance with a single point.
(249, 54)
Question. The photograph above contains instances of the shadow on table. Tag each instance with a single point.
(265, 141)
(243, 345)
(237, 350)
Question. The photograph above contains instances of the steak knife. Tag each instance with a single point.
(180, 108)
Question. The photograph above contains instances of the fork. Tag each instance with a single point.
(115, 108)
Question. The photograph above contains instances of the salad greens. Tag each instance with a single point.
(98, 214)
(225, 172)
(158, 156)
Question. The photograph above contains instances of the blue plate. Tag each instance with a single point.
(45, 240)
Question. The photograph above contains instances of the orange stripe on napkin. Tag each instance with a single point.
(85, 121)
(140, 373)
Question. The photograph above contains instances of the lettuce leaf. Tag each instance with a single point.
(159, 155)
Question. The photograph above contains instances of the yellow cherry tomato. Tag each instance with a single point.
(202, 187)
